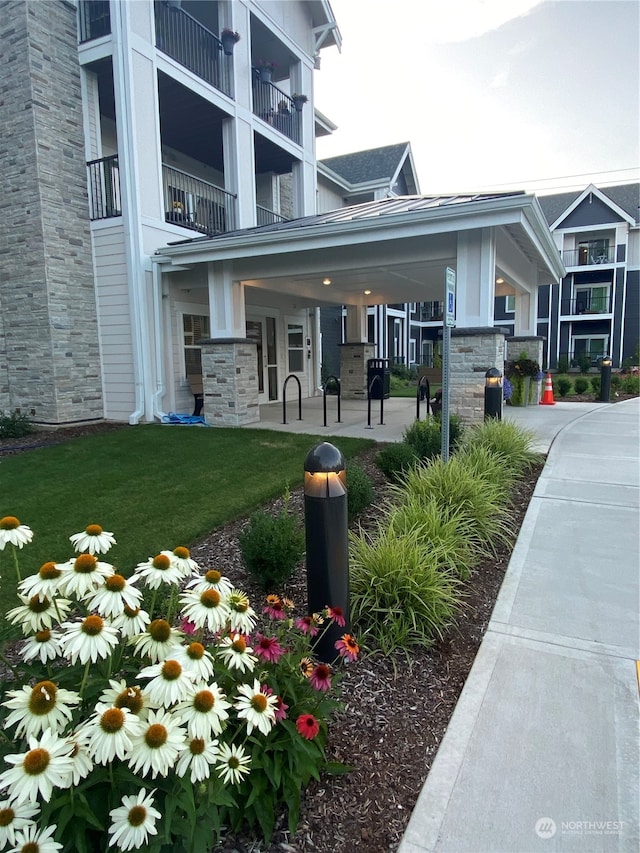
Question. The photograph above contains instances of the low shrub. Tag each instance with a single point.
(630, 384)
(584, 363)
(15, 425)
(595, 384)
(564, 385)
(400, 597)
(359, 490)
(509, 442)
(395, 459)
(581, 385)
(426, 436)
(271, 546)
(563, 364)
(616, 381)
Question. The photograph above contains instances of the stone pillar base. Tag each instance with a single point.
(230, 382)
(353, 370)
(473, 352)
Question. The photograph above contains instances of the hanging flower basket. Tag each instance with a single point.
(298, 102)
(229, 40)
(266, 68)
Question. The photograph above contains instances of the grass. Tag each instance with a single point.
(154, 487)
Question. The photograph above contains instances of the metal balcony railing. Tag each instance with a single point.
(197, 205)
(585, 303)
(104, 188)
(183, 38)
(589, 256)
(94, 19)
(431, 312)
(275, 107)
(264, 216)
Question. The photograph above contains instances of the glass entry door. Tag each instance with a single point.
(262, 331)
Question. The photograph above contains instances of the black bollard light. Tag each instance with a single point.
(493, 394)
(326, 535)
(605, 379)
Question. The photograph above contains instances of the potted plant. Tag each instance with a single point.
(299, 101)
(521, 373)
(229, 39)
(266, 68)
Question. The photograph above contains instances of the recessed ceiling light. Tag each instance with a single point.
(367, 292)
(499, 281)
(326, 281)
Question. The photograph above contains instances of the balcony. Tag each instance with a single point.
(94, 20)
(264, 216)
(586, 256)
(195, 47)
(103, 177)
(431, 312)
(196, 204)
(586, 302)
(276, 108)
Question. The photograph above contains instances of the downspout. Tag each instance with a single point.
(318, 349)
(158, 340)
(131, 219)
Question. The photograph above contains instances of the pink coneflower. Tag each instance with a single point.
(275, 607)
(187, 627)
(268, 648)
(347, 647)
(280, 707)
(319, 678)
(308, 726)
(337, 614)
(309, 624)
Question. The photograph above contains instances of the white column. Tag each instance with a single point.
(226, 303)
(475, 279)
(356, 324)
(525, 322)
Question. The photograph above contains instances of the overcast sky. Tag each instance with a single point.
(492, 94)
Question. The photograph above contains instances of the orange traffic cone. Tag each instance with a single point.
(547, 397)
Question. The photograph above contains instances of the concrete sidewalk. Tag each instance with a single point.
(541, 753)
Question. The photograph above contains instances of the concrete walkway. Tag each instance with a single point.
(541, 753)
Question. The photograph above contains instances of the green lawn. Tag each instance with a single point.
(154, 487)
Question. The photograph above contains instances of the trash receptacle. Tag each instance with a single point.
(378, 378)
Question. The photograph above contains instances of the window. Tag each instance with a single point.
(593, 346)
(427, 353)
(295, 347)
(510, 303)
(593, 251)
(412, 351)
(195, 327)
(592, 300)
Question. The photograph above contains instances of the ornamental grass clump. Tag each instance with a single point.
(132, 726)
(512, 444)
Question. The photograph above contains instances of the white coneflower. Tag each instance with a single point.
(232, 763)
(44, 584)
(155, 748)
(38, 614)
(205, 711)
(242, 617)
(132, 621)
(170, 682)
(256, 707)
(113, 596)
(205, 609)
(109, 733)
(44, 645)
(236, 654)
(133, 821)
(82, 763)
(197, 755)
(89, 639)
(14, 533)
(82, 575)
(46, 765)
(196, 659)
(43, 706)
(158, 642)
(212, 579)
(14, 817)
(119, 694)
(34, 840)
(93, 539)
(158, 570)
(181, 557)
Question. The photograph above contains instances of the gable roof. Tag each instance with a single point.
(624, 196)
(365, 166)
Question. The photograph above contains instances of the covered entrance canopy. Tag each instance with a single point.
(394, 250)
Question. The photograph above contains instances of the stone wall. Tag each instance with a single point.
(473, 352)
(353, 370)
(49, 352)
(230, 382)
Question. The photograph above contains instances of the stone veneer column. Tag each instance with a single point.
(473, 352)
(230, 381)
(353, 370)
(533, 346)
(50, 363)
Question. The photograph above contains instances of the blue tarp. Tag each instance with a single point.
(188, 420)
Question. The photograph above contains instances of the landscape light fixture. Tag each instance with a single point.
(605, 378)
(493, 394)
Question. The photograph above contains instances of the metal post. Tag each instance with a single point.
(326, 535)
(605, 379)
(444, 416)
(493, 394)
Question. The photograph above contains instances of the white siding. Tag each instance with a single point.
(328, 199)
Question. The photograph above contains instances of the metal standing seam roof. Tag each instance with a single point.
(365, 210)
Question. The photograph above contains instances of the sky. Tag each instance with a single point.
(540, 95)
